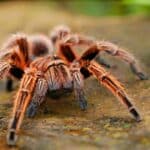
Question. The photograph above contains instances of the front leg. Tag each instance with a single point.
(78, 89)
(38, 97)
(22, 99)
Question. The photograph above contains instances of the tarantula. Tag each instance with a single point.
(62, 73)
(18, 52)
(64, 32)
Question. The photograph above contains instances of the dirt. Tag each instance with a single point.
(106, 124)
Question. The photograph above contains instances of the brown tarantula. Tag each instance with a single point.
(62, 73)
(14, 57)
(64, 32)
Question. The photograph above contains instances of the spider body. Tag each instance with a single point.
(63, 72)
(57, 74)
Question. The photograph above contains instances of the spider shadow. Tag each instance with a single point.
(66, 106)
(60, 106)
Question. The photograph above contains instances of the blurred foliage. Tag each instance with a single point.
(100, 7)
(106, 7)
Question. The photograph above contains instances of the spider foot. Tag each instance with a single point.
(139, 73)
(136, 115)
(11, 138)
(142, 76)
(83, 104)
(31, 110)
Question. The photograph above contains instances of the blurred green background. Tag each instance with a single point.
(96, 7)
(106, 7)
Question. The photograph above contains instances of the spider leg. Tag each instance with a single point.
(136, 70)
(114, 86)
(76, 39)
(22, 100)
(14, 51)
(114, 50)
(4, 69)
(38, 97)
(23, 46)
(78, 89)
(66, 52)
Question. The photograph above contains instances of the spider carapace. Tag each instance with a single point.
(64, 72)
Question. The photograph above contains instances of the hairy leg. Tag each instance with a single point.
(76, 39)
(21, 102)
(38, 97)
(4, 71)
(114, 86)
(66, 52)
(78, 88)
(110, 48)
(114, 50)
